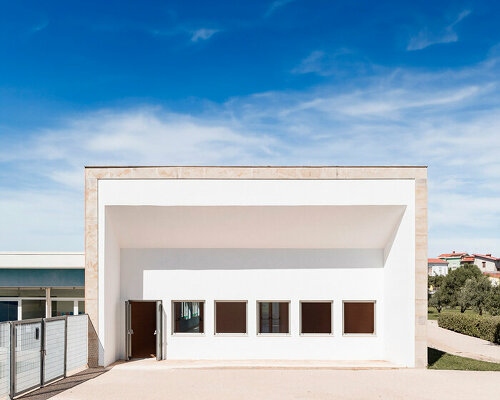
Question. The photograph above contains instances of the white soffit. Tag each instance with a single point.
(319, 227)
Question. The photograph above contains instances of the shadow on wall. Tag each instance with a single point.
(237, 259)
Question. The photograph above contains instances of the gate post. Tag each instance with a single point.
(12, 359)
(42, 352)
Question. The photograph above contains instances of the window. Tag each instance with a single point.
(359, 317)
(484, 264)
(21, 292)
(273, 317)
(231, 317)
(316, 317)
(33, 309)
(8, 311)
(69, 293)
(188, 316)
(60, 308)
(81, 307)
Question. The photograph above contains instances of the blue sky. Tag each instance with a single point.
(282, 82)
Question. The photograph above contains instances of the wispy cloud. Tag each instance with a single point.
(203, 34)
(275, 5)
(429, 36)
(393, 117)
(40, 26)
(332, 63)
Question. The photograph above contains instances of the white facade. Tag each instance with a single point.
(438, 269)
(29, 259)
(251, 240)
(487, 264)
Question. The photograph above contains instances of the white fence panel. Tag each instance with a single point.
(28, 356)
(4, 360)
(77, 342)
(54, 349)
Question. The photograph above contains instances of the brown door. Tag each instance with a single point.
(143, 329)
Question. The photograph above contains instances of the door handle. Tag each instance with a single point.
(154, 332)
(130, 331)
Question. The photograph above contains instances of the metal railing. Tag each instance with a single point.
(36, 352)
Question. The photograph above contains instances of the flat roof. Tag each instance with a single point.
(256, 166)
(44, 253)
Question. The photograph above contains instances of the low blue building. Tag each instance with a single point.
(38, 285)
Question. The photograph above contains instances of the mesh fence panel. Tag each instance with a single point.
(54, 349)
(77, 342)
(27, 356)
(4, 360)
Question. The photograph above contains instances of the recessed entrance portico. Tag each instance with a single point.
(283, 241)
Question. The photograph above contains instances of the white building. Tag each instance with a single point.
(487, 263)
(318, 263)
(39, 285)
(437, 267)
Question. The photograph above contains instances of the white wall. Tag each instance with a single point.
(111, 302)
(41, 260)
(490, 266)
(163, 274)
(246, 274)
(399, 291)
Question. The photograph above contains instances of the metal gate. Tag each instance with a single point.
(36, 352)
(26, 361)
(54, 354)
(5, 333)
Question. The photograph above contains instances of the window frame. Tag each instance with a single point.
(289, 333)
(374, 334)
(228, 333)
(332, 325)
(172, 319)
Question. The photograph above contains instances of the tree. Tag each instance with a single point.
(474, 294)
(463, 297)
(455, 281)
(437, 300)
(493, 301)
(436, 281)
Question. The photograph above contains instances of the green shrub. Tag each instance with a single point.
(484, 327)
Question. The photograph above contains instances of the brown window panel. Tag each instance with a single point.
(359, 317)
(230, 317)
(316, 317)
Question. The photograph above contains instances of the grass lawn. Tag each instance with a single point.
(441, 360)
(433, 314)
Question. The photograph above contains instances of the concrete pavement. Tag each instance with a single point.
(140, 380)
(461, 345)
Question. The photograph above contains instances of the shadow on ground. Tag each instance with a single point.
(64, 384)
(433, 356)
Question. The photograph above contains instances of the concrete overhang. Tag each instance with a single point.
(302, 227)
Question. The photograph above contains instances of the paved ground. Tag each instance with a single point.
(137, 380)
(288, 380)
(461, 345)
(64, 384)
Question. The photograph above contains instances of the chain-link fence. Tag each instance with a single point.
(36, 352)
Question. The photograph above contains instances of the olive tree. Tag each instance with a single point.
(493, 301)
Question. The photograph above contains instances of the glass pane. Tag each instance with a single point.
(359, 317)
(60, 308)
(188, 316)
(33, 309)
(8, 311)
(81, 307)
(316, 317)
(230, 317)
(71, 293)
(273, 317)
(16, 292)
